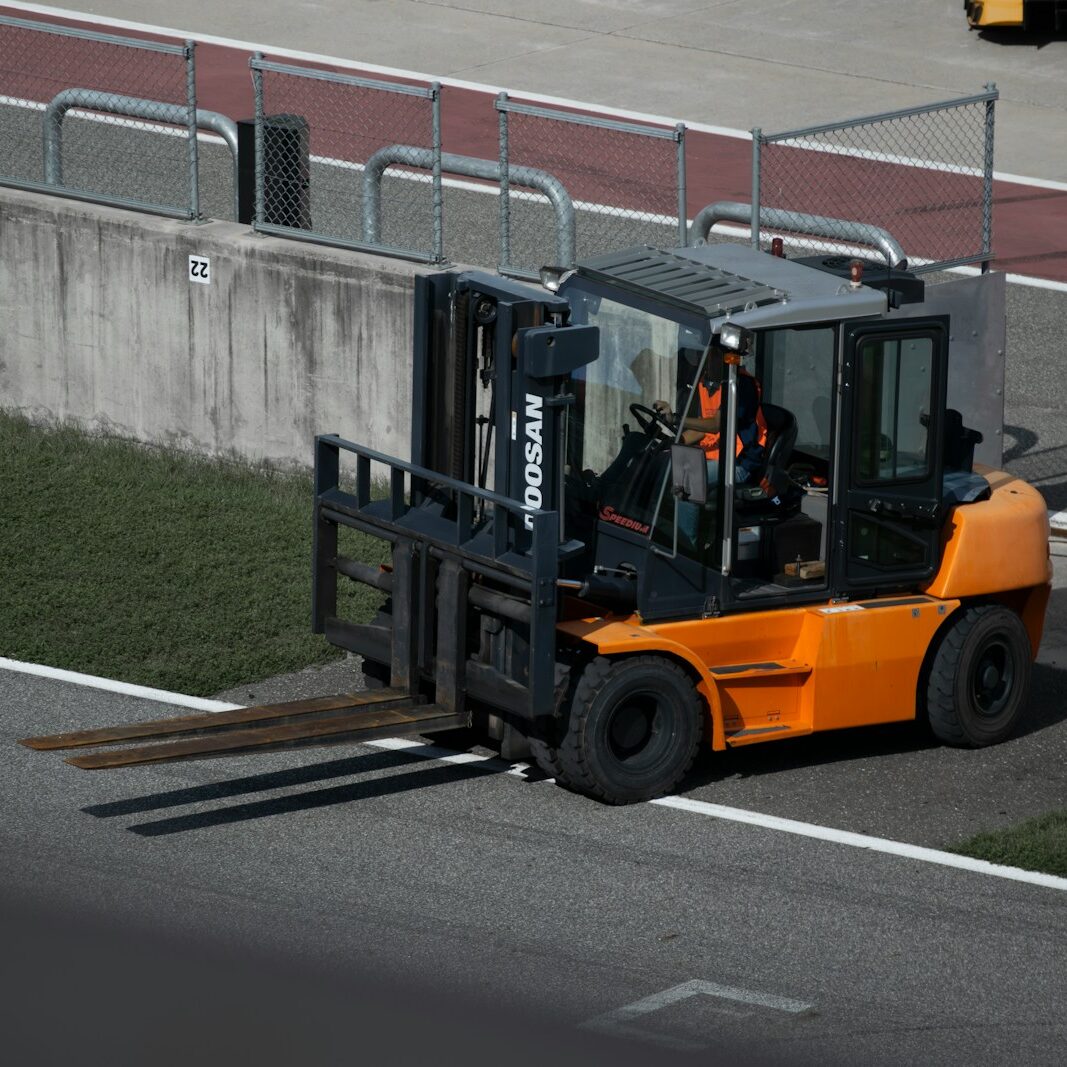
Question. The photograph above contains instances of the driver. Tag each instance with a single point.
(704, 431)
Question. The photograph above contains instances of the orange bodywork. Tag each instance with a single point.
(998, 549)
(766, 675)
(982, 13)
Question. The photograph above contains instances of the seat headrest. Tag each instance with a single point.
(777, 419)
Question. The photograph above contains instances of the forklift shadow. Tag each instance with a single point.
(813, 750)
(424, 777)
(1018, 38)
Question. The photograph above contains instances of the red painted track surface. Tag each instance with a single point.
(1029, 223)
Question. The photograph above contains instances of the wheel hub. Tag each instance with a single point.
(631, 727)
(994, 677)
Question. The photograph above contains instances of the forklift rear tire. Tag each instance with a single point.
(633, 729)
(979, 681)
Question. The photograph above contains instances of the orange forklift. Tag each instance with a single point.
(567, 579)
(1032, 16)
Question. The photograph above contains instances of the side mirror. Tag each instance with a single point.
(689, 473)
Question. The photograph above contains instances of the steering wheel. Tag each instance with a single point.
(649, 419)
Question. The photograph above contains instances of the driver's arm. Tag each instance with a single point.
(693, 427)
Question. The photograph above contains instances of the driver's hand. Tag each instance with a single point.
(661, 407)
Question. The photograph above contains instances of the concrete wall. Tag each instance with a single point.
(100, 324)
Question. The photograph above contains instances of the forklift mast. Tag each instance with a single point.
(473, 519)
(476, 330)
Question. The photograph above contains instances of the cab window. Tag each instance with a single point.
(894, 384)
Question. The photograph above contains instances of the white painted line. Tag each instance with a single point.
(880, 157)
(482, 87)
(494, 763)
(374, 68)
(620, 1022)
(447, 755)
(144, 692)
(873, 844)
(1017, 279)
(1037, 183)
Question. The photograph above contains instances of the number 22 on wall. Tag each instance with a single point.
(200, 270)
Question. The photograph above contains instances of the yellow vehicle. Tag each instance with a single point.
(1034, 16)
(581, 572)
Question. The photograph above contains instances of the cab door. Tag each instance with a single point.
(888, 500)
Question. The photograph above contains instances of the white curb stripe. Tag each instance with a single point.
(874, 844)
(145, 692)
(493, 763)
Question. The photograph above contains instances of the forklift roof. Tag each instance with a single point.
(749, 287)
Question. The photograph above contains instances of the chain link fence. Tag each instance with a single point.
(925, 174)
(320, 135)
(98, 117)
(358, 162)
(626, 182)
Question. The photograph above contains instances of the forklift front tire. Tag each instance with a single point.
(633, 729)
(979, 681)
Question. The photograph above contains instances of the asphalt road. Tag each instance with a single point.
(500, 902)
(518, 897)
(411, 909)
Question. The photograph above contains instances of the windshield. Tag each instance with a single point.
(614, 444)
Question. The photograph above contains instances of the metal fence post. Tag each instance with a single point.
(257, 88)
(757, 145)
(683, 197)
(190, 103)
(505, 194)
(438, 193)
(987, 178)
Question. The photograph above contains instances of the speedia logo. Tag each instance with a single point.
(609, 514)
(534, 454)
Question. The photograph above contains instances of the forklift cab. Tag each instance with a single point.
(846, 495)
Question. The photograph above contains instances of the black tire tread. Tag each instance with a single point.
(571, 753)
(942, 711)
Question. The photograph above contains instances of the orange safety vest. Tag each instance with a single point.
(709, 406)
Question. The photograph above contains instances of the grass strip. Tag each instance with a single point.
(1036, 845)
(157, 567)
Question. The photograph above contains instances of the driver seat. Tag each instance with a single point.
(753, 496)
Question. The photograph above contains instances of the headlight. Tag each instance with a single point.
(734, 337)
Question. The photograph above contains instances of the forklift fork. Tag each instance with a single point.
(269, 727)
